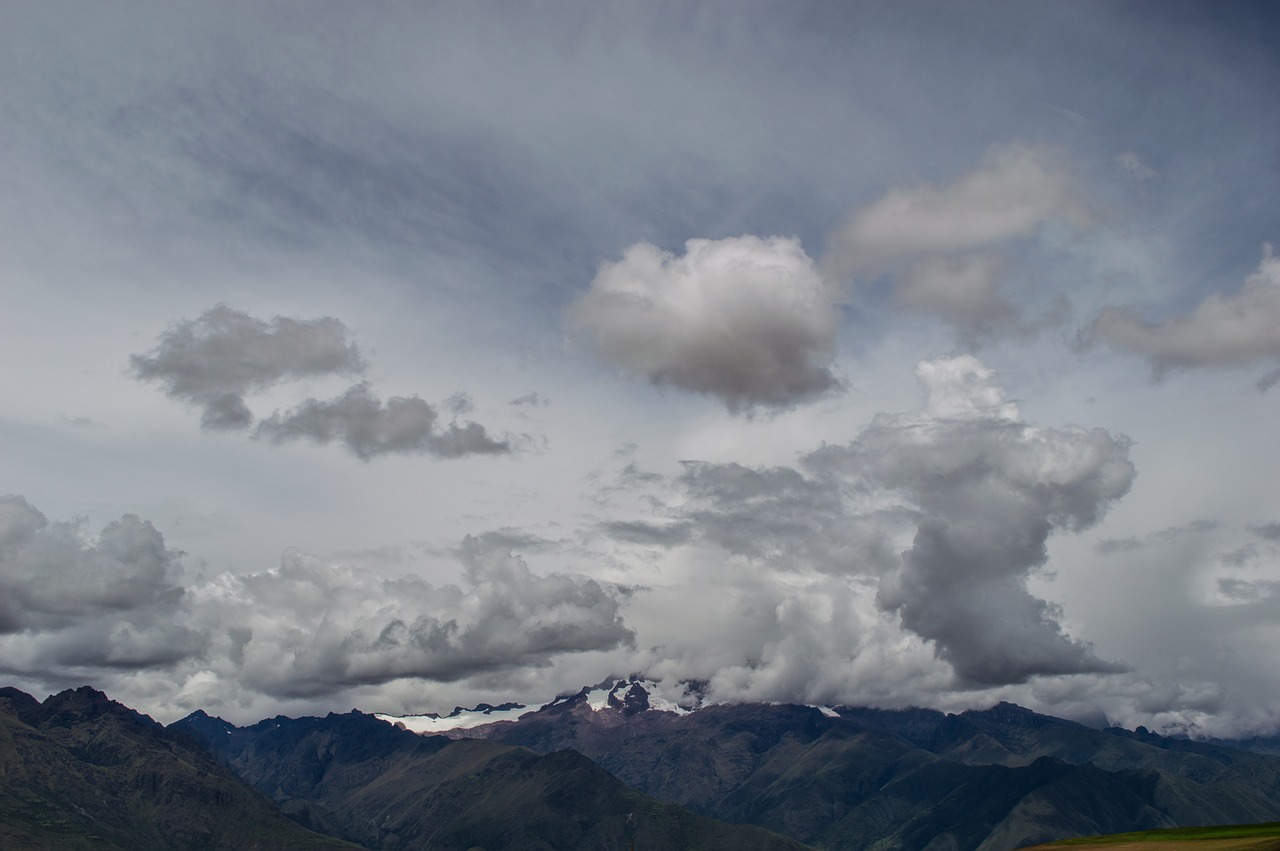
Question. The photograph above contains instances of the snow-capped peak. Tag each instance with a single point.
(629, 696)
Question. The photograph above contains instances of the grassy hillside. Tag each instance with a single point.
(1234, 837)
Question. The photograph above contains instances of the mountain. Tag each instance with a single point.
(355, 776)
(80, 771)
(858, 778)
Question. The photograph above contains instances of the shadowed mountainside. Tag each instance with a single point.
(80, 771)
(355, 776)
(911, 779)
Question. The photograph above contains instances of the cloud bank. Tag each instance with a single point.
(122, 602)
(745, 320)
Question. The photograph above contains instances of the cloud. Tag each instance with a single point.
(312, 627)
(989, 490)
(962, 290)
(216, 359)
(1133, 166)
(369, 427)
(51, 575)
(745, 320)
(1223, 331)
(71, 600)
(309, 627)
(1269, 531)
(935, 520)
(1012, 192)
(532, 399)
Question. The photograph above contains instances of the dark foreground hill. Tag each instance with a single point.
(80, 771)
(358, 777)
(873, 780)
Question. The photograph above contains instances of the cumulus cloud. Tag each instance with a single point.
(369, 427)
(51, 575)
(1223, 331)
(934, 520)
(988, 489)
(745, 320)
(118, 602)
(313, 627)
(216, 359)
(74, 600)
(1013, 191)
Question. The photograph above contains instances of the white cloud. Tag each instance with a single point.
(1012, 192)
(746, 320)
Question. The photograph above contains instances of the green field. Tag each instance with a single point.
(1231, 837)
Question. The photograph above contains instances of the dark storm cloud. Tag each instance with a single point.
(368, 427)
(1225, 330)
(745, 320)
(216, 359)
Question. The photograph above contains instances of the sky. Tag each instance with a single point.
(408, 355)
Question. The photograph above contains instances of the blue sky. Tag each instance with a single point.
(409, 355)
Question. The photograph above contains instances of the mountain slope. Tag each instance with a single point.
(911, 779)
(80, 771)
(363, 779)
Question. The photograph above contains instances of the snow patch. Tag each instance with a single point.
(458, 719)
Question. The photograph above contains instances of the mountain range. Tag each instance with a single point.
(859, 778)
(614, 766)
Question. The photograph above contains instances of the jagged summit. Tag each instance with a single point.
(626, 695)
